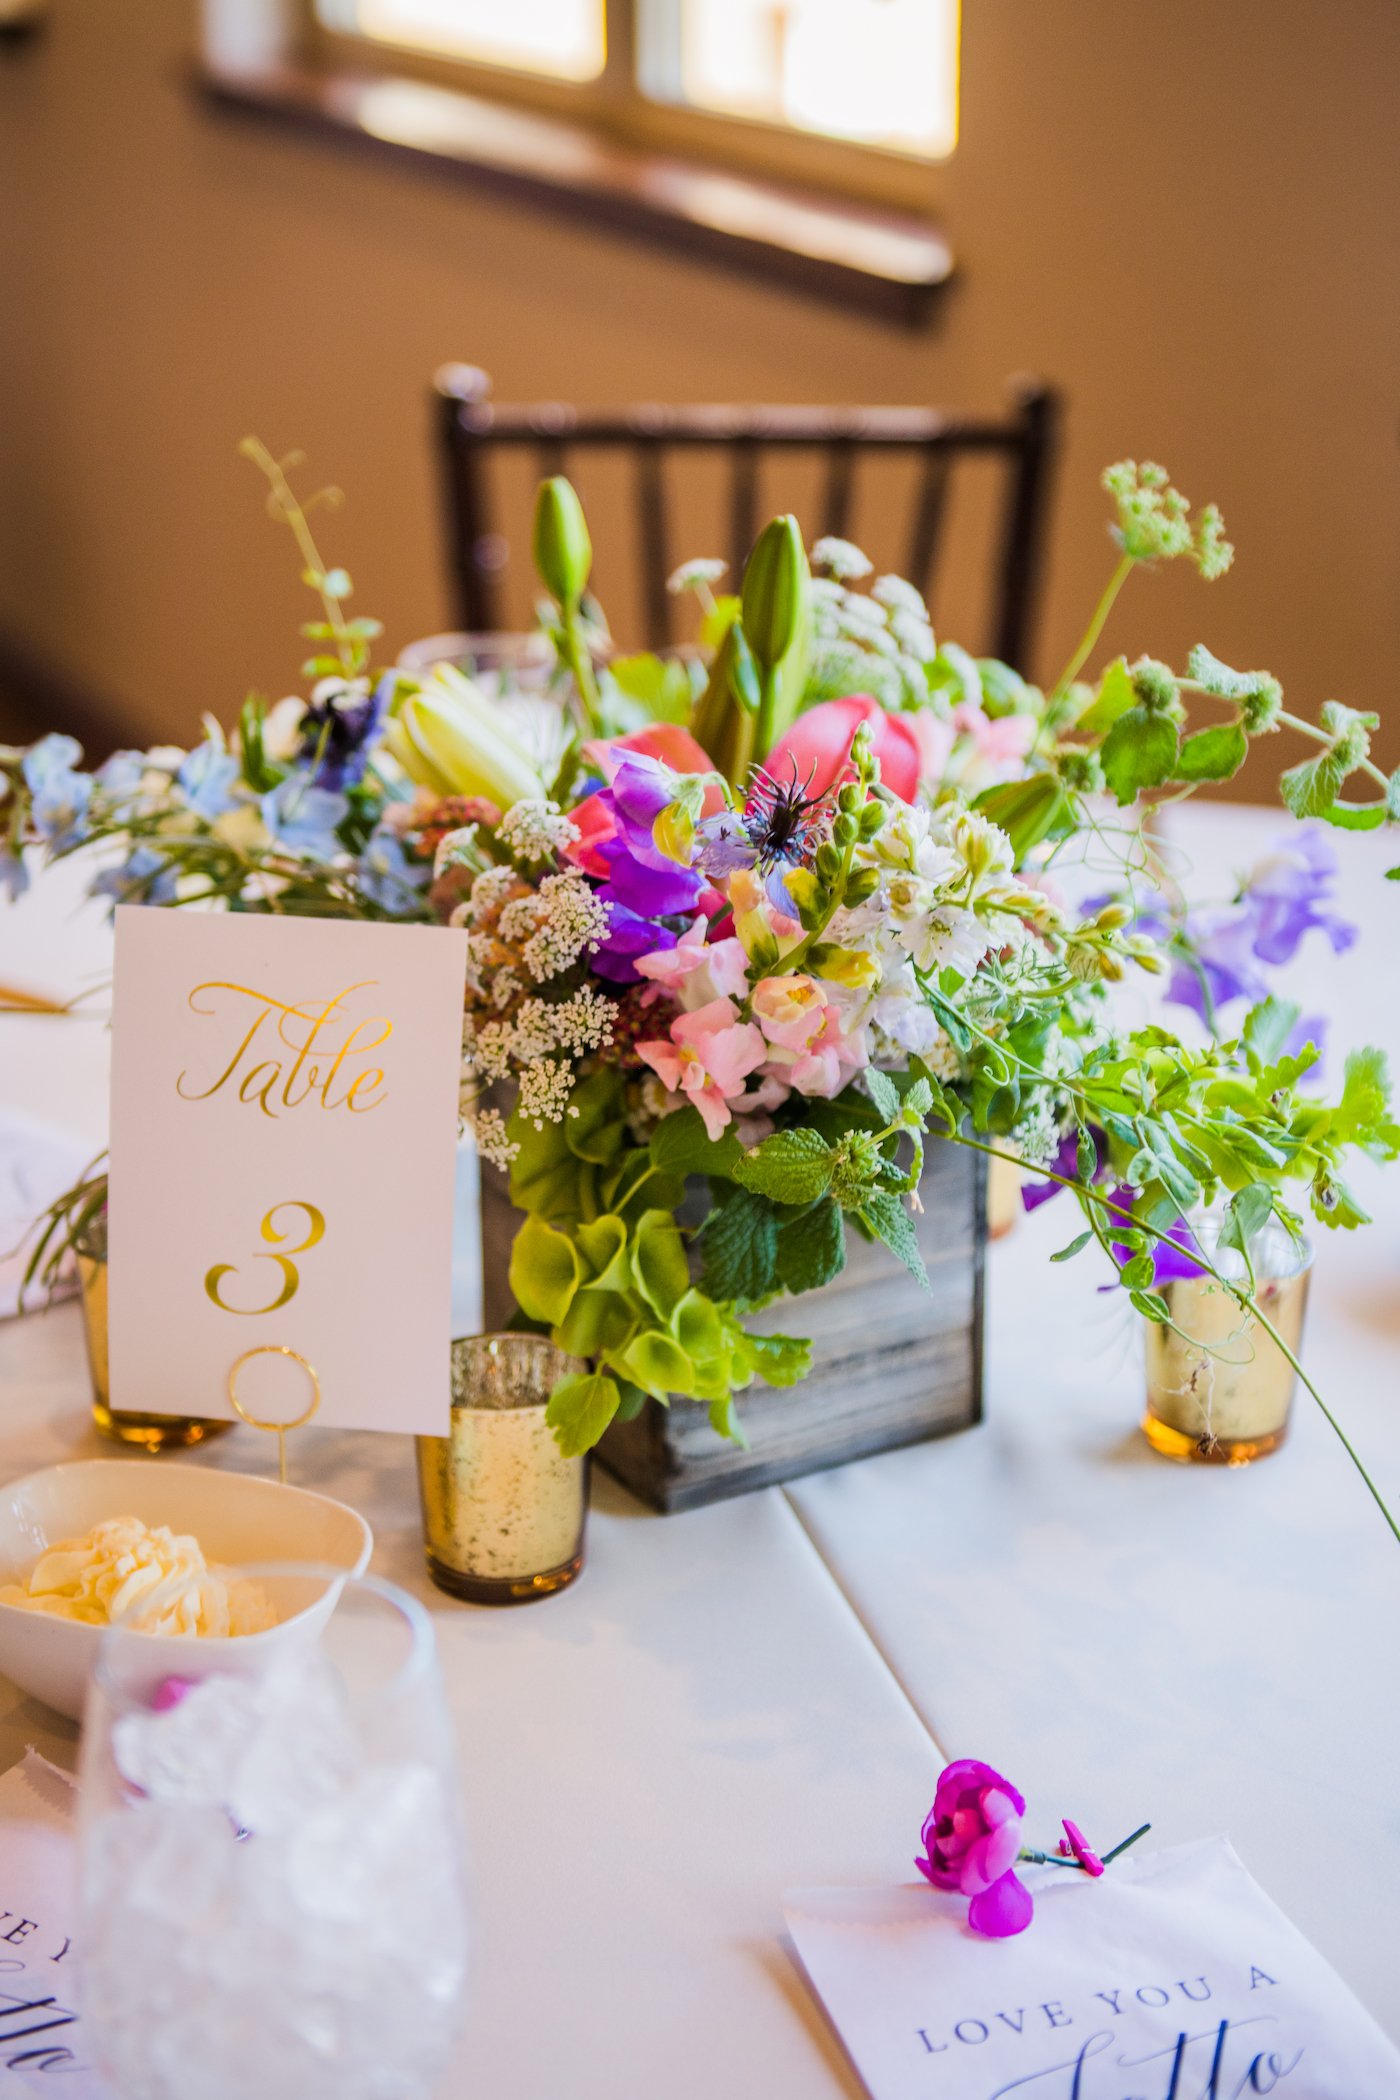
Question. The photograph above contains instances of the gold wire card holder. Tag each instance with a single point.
(281, 1430)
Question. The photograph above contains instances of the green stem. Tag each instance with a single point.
(577, 658)
(1320, 736)
(764, 737)
(292, 514)
(1241, 1296)
(1095, 628)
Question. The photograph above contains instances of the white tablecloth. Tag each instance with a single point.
(753, 1697)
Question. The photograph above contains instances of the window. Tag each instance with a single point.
(883, 72)
(854, 95)
(565, 39)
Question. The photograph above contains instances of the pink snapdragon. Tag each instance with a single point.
(710, 1054)
(697, 971)
(809, 1044)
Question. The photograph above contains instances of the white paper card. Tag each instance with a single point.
(42, 2045)
(284, 1113)
(1172, 1978)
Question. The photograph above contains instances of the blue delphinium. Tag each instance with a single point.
(207, 779)
(59, 794)
(387, 876)
(303, 818)
(144, 877)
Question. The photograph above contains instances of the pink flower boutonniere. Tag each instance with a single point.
(972, 1844)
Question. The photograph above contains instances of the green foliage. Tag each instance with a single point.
(1213, 754)
(1140, 751)
(811, 1248)
(580, 1409)
(792, 1166)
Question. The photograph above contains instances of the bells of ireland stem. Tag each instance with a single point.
(563, 551)
(775, 616)
(450, 739)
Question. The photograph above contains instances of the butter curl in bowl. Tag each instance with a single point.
(123, 1565)
(149, 1542)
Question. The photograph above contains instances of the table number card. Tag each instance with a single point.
(1173, 1978)
(284, 1113)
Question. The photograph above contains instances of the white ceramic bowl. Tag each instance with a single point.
(237, 1518)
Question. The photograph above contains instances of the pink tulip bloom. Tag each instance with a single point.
(817, 748)
(695, 971)
(709, 1056)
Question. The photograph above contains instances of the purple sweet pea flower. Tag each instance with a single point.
(628, 936)
(642, 881)
(1289, 891)
(1035, 1191)
(972, 1839)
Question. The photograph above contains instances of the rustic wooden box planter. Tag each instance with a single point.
(892, 1364)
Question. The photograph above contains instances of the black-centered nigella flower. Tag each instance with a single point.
(341, 722)
(779, 828)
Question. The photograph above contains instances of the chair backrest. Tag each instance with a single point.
(471, 425)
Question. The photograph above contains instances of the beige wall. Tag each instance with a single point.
(1185, 213)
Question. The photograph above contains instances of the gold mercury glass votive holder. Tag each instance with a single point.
(1224, 1397)
(503, 1509)
(123, 1424)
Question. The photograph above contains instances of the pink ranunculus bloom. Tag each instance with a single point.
(817, 748)
(811, 1046)
(709, 1056)
(972, 1836)
(789, 1010)
(696, 971)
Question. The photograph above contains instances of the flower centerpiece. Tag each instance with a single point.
(750, 928)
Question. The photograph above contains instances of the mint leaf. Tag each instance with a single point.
(1140, 751)
(885, 1216)
(812, 1248)
(1358, 816)
(1213, 754)
(1310, 790)
(792, 1166)
(1215, 677)
(883, 1092)
(580, 1409)
(1115, 696)
(738, 1246)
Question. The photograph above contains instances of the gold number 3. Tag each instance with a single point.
(291, 1275)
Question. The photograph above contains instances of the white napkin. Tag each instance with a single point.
(37, 1163)
(1172, 1978)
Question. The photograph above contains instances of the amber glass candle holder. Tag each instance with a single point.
(124, 1425)
(1225, 1395)
(503, 1509)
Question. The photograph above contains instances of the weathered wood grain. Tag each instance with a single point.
(892, 1364)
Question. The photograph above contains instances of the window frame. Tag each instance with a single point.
(615, 105)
